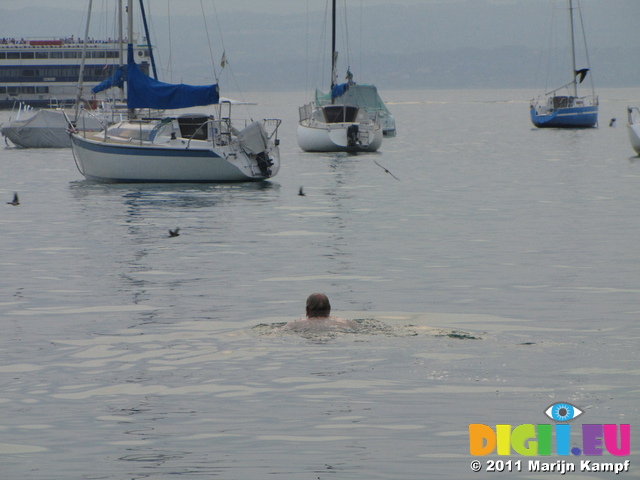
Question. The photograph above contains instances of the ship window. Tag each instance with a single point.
(70, 54)
(13, 90)
(42, 89)
(3, 55)
(28, 89)
(113, 54)
(13, 55)
(3, 90)
(27, 55)
(55, 55)
(30, 73)
(42, 54)
(99, 54)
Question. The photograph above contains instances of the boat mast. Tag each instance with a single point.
(121, 44)
(573, 51)
(84, 58)
(132, 111)
(146, 31)
(334, 54)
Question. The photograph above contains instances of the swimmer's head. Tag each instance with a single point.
(318, 305)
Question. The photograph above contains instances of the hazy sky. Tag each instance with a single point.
(609, 21)
(424, 42)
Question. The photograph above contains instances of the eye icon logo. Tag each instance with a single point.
(563, 412)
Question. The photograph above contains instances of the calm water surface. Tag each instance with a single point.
(126, 354)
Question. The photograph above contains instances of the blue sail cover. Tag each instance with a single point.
(115, 80)
(338, 90)
(146, 92)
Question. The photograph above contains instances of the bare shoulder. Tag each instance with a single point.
(320, 323)
(341, 322)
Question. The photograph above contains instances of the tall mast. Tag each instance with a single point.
(120, 34)
(121, 44)
(132, 111)
(82, 63)
(573, 51)
(334, 54)
(130, 21)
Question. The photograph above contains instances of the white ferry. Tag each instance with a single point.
(44, 72)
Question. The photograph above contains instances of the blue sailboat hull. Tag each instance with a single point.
(571, 117)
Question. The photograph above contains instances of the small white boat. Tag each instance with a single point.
(633, 127)
(338, 124)
(48, 128)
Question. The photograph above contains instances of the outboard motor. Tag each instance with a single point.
(352, 135)
(264, 162)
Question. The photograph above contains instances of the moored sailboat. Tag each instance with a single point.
(338, 124)
(567, 109)
(633, 127)
(176, 148)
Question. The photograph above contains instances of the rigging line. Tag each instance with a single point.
(157, 54)
(206, 29)
(322, 46)
(360, 54)
(235, 80)
(307, 57)
(346, 34)
(586, 50)
(146, 31)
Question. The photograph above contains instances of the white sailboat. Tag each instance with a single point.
(179, 148)
(569, 109)
(338, 125)
(633, 127)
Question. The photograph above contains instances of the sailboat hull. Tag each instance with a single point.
(113, 163)
(572, 117)
(634, 136)
(335, 138)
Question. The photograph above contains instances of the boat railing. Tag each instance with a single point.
(633, 114)
(218, 132)
(305, 111)
(274, 123)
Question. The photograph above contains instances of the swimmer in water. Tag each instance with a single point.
(319, 317)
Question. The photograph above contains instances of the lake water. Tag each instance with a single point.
(127, 354)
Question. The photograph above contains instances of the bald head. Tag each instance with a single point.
(318, 305)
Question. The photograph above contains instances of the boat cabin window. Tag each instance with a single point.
(340, 113)
(193, 126)
(562, 102)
